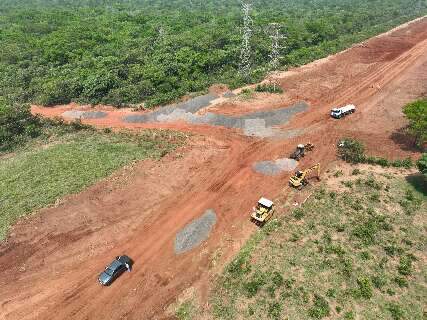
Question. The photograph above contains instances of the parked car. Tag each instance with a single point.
(115, 269)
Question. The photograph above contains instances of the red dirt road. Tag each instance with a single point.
(51, 260)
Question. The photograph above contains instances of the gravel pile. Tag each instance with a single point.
(193, 234)
(273, 168)
(177, 110)
(253, 124)
(229, 94)
(75, 114)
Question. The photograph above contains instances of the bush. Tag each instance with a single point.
(320, 308)
(351, 150)
(422, 164)
(405, 265)
(270, 88)
(365, 288)
(405, 163)
(416, 113)
(298, 213)
(251, 287)
(401, 282)
(396, 311)
(355, 172)
(17, 125)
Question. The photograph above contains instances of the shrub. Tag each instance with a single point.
(405, 266)
(17, 125)
(274, 310)
(270, 88)
(422, 164)
(371, 182)
(406, 163)
(365, 287)
(349, 315)
(366, 231)
(351, 150)
(401, 282)
(416, 113)
(379, 281)
(251, 287)
(298, 213)
(320, 308)
(396, 311)
(355, 172)
(277, 279)
(338, 173)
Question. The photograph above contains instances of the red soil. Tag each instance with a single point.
(51, 260)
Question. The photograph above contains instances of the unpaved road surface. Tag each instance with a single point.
(50, 262)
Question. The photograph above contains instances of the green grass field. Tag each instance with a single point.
(36, 176)
(354, 250)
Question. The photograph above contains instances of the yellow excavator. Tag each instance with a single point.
(299, 180)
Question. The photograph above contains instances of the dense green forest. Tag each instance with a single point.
(125, 52)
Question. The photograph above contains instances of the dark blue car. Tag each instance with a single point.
(115, 269)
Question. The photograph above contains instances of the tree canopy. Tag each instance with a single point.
(416, 112)
(130, 51)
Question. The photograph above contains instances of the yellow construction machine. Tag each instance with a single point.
(299, 180)
(301, 150)
(263, 211)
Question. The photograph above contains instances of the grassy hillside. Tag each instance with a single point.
(36, 175)
(124, 52)
(354, 250)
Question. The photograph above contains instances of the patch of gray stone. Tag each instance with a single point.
(194, 233)
(273, 168)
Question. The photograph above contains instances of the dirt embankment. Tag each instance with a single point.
(51, 260)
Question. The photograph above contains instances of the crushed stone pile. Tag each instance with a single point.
(258, 123)
(76, 114)
(273, 168)
(194, 233)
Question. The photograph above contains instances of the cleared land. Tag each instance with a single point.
(38, 177)
(42, 259)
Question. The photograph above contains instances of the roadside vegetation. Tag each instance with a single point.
(416, 113)
(65, 159)
(354, 250)
(127, 52)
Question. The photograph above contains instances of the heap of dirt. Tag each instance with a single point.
(193, 234)
(273, 168)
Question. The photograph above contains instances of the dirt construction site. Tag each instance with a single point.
(182, 218)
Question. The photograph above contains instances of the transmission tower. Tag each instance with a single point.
(273, 31)
(245, 52)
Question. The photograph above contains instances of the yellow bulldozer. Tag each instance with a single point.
(263, 211)
(299, 180)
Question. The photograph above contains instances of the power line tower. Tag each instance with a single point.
(273, 31)
(246, 52)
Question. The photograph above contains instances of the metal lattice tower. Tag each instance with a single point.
(246, 52)
(273, 31)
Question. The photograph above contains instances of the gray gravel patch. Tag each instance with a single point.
(194, 233)
(191, 106)
(75, 114)
(273, 168)
(94, 115)
(229, 94)
(258, 124)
